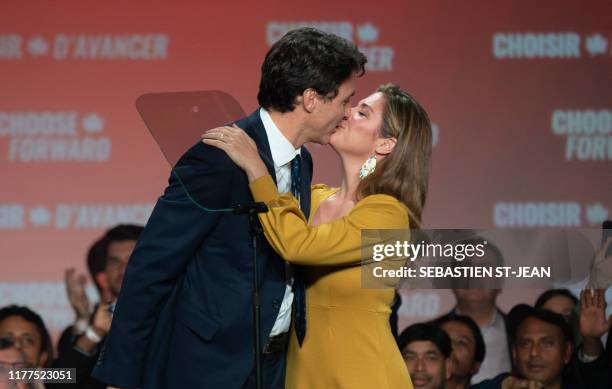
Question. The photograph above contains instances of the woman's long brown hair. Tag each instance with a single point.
(404, 173)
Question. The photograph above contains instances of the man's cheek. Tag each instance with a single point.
(431, 369)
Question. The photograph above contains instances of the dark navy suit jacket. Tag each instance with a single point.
(184, 315)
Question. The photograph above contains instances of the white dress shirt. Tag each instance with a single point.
(283, 153)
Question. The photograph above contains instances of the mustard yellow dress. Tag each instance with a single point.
(348, 343)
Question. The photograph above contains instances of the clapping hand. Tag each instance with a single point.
(75, 287)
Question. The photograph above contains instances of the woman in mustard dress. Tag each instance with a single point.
(348, 342)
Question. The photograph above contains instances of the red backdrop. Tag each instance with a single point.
(519, 95)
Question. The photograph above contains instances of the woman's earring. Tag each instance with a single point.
(368, 167)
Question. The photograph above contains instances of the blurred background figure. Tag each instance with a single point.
(544, 352)
(427, 352)
(560, 301)
(468, 348)
(10, 359)
(481, 306)
(26, 330)
(594, 361)
(79, 344)
(541, 351)
(543, 347)
(76, 285)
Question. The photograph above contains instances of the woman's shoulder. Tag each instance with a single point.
(383, 203)
(322, 190)
(382, 211)
(381, 199)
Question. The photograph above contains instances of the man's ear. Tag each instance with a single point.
(309, 99)
(384, 146)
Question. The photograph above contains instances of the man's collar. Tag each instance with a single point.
(282, 150)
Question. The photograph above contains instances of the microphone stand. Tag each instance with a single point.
(252, 209)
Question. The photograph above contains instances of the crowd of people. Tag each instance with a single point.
(24, 339)
(556, 343)
(562, 341)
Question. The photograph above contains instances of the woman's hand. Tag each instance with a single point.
(239, 147)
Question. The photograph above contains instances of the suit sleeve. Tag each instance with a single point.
(174, 232)
(334, 243)
(69, 357)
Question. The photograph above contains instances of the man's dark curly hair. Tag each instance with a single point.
(306, 58)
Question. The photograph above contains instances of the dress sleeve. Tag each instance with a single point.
(334, 243)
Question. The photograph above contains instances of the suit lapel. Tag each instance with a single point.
(256, 130)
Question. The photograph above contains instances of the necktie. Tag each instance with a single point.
(299, 289)
(296, 176)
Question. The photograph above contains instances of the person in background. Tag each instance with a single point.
(481, 306)
(75, 289)
(560, 301)
(468, 348)
(541, 351)
(81, 350)
(594, 361)
(26, 330)
(427, 353)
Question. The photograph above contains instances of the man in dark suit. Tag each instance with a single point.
(183, 319)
